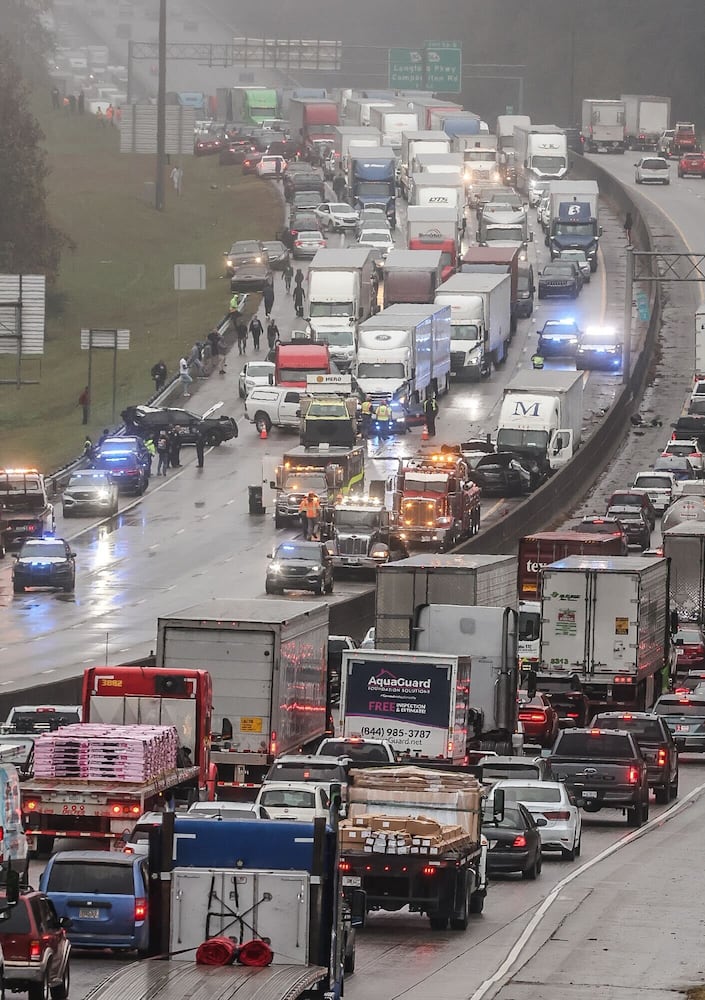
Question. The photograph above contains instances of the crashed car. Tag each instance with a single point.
(506, 474)
(148, 421)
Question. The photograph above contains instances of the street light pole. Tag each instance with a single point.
(159, 185)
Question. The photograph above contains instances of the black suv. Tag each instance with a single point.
(148, 421)
(44, 562)
(36, 948)
(658, 748)
(635, 525)
(300, 565)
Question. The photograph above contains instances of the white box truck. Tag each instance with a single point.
(440, 340)
(342, 292)
(603, 126)
(345, 135)
(607, 619)
(438, 190)
(412, 143)
(480, 322)
(394, 356)
(646, 118)
(684, 546)
(541, 416)
(267, 661)
(541, 155)
(392, 122)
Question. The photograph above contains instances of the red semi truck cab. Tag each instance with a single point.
(293, 362)
(448, 250)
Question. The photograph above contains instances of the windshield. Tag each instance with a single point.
(259, 371)
(357, 751)
(465, 331)
(523, 283)
(299, 374)
(529, 626)
(374, 188)
(511, 820)
(290, 771)
(331, 309)
(418, 513)
(527, 794)
(43, 550)
(96, 879)
(479, 155)
(334, 409)
(336, 338)
(293, 551)
(446, 258)
(512, 440)
(687, 707)
(575, 229)
(561, 270)
(655, 165)
(380, 369)
(496, 772)
(356, 520)
(514, 233)
(293, 798)
(603, 745)
(655, 482)
(548, 164)
(306, 481)
(646, 729)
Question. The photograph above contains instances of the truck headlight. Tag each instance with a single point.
(275, 567)
(474, 361)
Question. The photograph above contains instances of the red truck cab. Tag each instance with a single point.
(448, 250)
(293, 362)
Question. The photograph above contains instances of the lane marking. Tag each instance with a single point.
(517, 948)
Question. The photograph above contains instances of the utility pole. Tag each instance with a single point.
(159, 186)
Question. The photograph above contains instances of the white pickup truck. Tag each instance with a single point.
(273, 406)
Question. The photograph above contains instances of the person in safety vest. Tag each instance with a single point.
(310, 512)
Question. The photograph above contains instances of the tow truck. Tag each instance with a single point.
(25, 509)
(328, 411)
(684, 139)
(439, 506)
(325, 471)
(360, 533)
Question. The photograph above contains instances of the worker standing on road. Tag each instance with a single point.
(430, 409)
(256, 331)
(288, 274)
(366, 417)
(158, 373)
(299, 296)
(152, 449)
(174, 439)
(310, 511)
(163, 453)
(200, 448)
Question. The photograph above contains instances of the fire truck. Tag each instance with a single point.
(439, 506)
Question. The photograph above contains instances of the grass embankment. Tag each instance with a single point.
(121, 276)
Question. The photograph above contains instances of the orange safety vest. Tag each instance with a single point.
(311, 508)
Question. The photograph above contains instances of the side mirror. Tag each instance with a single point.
(547, 241)
(358, 908)
(599, 231)
(66, 923)
(498, 805)
(12, 886)
(545, 752)
(270, 555)
(541, 821)
(674, 621)
(72, 554)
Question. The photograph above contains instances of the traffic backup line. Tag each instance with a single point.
(495, 980)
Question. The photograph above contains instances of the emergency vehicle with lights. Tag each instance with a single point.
(108, 810)
(324, 470)
(438, 505)
(328, 412)
(268, 665)
(25, 508)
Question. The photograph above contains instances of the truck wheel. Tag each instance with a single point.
(39, 991)
(61, 991)
(635, 816)
(438, 923)
(262, 422)
(532, 871)
(477, 902)
(673, 789)
(662, 795)
(349, 963)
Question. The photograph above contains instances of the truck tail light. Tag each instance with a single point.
(519, 840)
(125, 808)
(31, 805)
(35, 951)
(429, 870)
(344, 866)
(662, 758)
(273, 743)
(633, 776)
(140, 908)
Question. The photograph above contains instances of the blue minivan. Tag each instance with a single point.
(104, 895)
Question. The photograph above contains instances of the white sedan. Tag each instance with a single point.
(336, 216)
(551, 801)
(267, 166)
(253, 375)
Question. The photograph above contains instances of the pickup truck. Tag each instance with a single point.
(273, 406)
(604, 769)
(25, 508)
(658, 748)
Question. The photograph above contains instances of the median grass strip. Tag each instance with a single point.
(121, 276)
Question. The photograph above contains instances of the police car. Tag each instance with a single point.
(44, 562)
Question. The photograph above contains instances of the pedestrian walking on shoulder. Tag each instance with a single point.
(177, 177)
(299, 296)
(256, 330)
(174, 439)
(268, 298)
(185, 376)
(194, 359)
(163, 453)
(55, 95)
(158, 373)
(109, 112)
(299, 277)
(628, 223)
(200, 449)
(430, 409)
(241, 331)
(84, 401)
(72, 103)
(288, 274)
(339, 185)
(81, 102)
(217, 345)
(272, 334)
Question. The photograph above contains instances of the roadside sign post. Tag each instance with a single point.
(104, 340)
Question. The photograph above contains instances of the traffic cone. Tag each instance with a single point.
(263, 434)
(424, 433)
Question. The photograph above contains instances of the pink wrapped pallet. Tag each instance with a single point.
(106, 753)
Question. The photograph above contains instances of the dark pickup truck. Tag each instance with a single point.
(604, 769)
(658, 748)
(25, 509)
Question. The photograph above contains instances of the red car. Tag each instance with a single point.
(538, 718)
(690, 644)
(691, 164)
(36, 949)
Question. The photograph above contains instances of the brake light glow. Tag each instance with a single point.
(662, 758)
(344, 866)
(571, 715)
(140, 908)
(429, 870)
(31, 805)
(623, 680)
(519, 840)
(633, 776)
(35, 951)
(273, 743)
(532, 716)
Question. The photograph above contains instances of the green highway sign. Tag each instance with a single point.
(438, 66)
(444, 66)
(406, 69)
